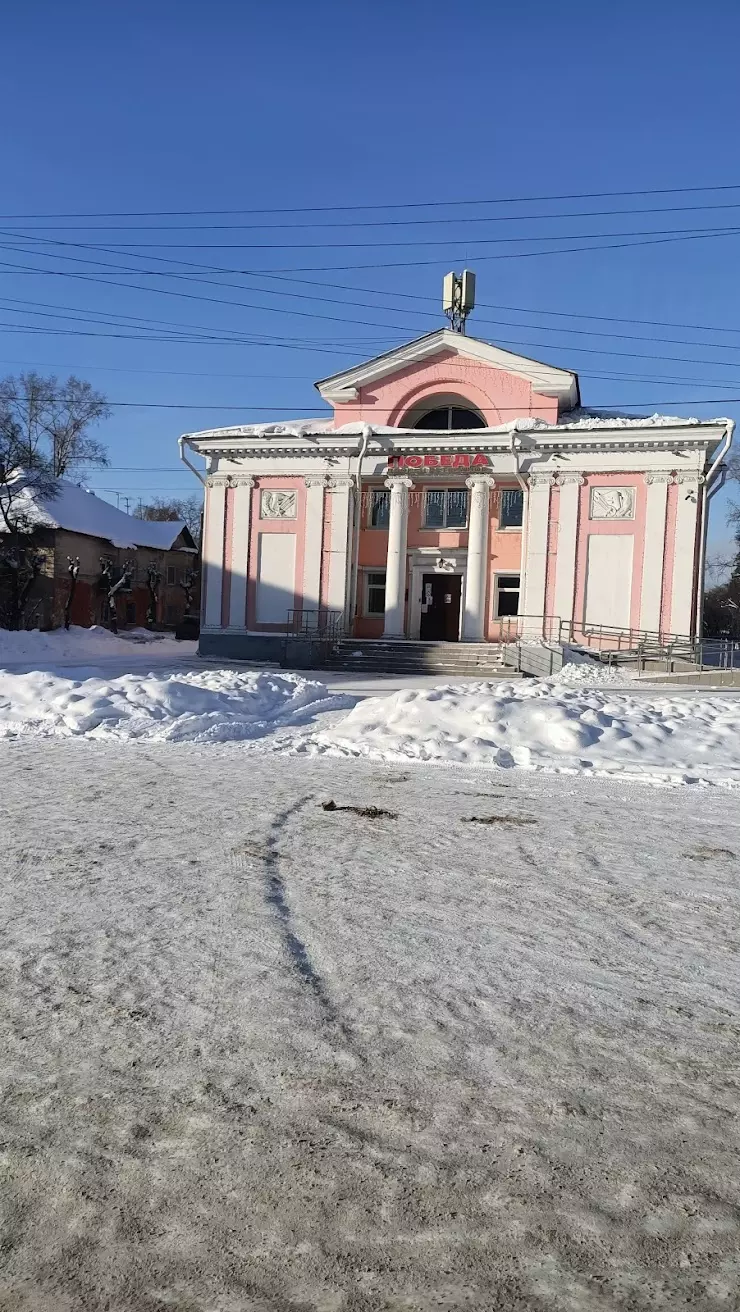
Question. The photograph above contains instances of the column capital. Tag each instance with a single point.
(539, 479)
(315, 480)
(339, 484)
(572, 476)
(690, 477)
(480, 480)
(398, 484)
(243, 480)
(658, 476)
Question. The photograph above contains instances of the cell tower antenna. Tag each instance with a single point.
(458, 298)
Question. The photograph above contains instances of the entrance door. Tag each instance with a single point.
(440, 607)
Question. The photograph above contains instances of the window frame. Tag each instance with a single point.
(497, 590)
(377, 528)
(510, 528)
(445, 528)
(367, 573)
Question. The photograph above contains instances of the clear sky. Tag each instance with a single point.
(187, 106)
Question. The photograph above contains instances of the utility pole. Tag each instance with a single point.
(127, 503)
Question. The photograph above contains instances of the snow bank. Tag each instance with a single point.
(29, 646)
(203, 706)
(545, 726)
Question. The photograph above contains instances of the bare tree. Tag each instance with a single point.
(189, 580)
(24, 476)
(52, 419)
(73, 569)
(153, 580)
(163, 510)
(113, 586)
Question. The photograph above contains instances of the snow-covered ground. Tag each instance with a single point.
(546, 726)
(476, 1048)
(563, 724)
(82, 647)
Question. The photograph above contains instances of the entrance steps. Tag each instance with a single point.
(379, 656)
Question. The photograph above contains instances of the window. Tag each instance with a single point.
(506, 598)
(446, 508)
(375, 592)
(512, 508)
(171, 574)
(445, 418)
(380, 508)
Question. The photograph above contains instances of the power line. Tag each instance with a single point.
(396, 205)
(382, 223)
(122, 248)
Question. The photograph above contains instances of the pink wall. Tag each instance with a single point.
(498, 395)
(611, 527)
(257, 526)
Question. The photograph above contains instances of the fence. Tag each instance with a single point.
(310, 636)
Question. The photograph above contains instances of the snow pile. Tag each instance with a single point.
(583, 671)
(32, 646)
(203, 706)
(545, 726)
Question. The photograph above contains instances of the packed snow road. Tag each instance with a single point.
(462, 1040)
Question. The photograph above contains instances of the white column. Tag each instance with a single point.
(474, 618)
(570, 485)
(684, 553)
(314, 530)
(395, 570)
(535, 571)
(240, 552)
(340, 489)
(651, 593)
(213, 551)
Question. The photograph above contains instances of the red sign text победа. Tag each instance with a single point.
(458, 460)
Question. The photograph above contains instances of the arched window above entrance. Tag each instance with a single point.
(443, 414)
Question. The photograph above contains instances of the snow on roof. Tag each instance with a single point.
(572, 420)
(612, 419)
(79, 511)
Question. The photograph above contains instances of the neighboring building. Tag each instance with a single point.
(77, 524)
(456, 485)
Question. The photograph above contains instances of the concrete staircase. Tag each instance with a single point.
(480, 659)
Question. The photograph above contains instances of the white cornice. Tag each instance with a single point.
(546, 379)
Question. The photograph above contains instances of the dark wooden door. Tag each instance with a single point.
(440, 607)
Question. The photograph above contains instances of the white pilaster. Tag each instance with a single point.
(395, 571)
(340, 489)
(474, 617)
(213, 551)
(570, 485)
(654, 550)
(314, 530)
(535, 569)
(240, 552)
(684, 551)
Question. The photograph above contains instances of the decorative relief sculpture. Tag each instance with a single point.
(613, 503)
(277, 505)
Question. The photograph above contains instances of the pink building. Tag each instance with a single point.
(456, 485)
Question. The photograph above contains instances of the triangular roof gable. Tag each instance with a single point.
(546, 379)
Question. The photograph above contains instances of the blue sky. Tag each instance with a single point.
(227, 106)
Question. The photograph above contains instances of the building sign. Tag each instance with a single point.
(458, 460)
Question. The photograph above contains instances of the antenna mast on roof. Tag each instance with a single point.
(458, 298)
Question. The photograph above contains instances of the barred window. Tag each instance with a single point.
(512, 508)
(380, 508)
(446, 508)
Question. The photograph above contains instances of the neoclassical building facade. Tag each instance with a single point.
(453, 487)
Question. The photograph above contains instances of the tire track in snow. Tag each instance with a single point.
(276, 897)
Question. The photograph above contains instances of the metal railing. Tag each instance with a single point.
(311, 634)
(644, 649)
